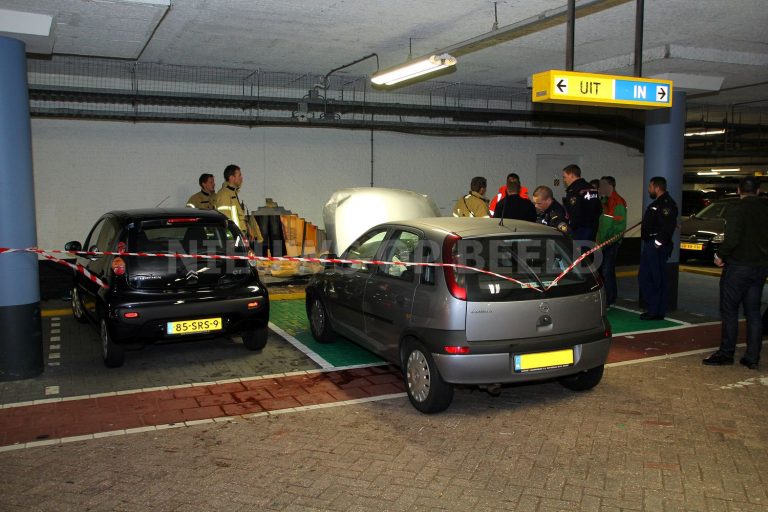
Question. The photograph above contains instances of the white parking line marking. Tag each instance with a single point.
(54, 363)
(640, 313)
(55, 331)
(55, 338)
(303, 348)
(55, 318)
(55, 324)
(54, 355)
(675, 328)
(55, 347)
(51, 390)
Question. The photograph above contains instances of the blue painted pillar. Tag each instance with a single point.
(21, 342)
(664, 148)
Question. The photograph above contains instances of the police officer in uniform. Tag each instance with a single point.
(548, 211)
(228, 202)
(582, 202)
(659, 223)
(473, 204)
(206, 198)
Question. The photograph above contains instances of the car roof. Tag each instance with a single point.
(468, 227)
(155, 213)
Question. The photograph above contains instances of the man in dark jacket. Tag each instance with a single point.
(743, 255)
(582, 202)
(659, 224)
(515, 207)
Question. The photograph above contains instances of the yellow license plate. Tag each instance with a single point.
(194, 326)
(543, 360)
(692, 247)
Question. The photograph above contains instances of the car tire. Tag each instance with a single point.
(78, 310)
(319, 323)
(256, 339)
(113, 354)
(427, 390)
(585, 380)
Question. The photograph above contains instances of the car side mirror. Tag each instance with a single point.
(73, 246)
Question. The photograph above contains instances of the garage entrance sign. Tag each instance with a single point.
(601, 90)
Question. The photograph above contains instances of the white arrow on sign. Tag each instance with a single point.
(562, 86)
(662, 91)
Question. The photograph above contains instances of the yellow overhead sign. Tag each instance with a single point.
(601, 90)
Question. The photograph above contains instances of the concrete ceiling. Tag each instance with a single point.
(710, 38)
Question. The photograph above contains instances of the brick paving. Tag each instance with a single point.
(662, 435)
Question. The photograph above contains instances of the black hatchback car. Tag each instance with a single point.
(150, 298)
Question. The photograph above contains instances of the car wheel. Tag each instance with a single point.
(583, 381)
(114, 355)
(78, 311)
(319, 323)
(255, 339)
(427, 390)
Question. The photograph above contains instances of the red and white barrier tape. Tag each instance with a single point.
(82, 270)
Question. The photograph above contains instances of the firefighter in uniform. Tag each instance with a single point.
(228, 202)
(582, 202)
(473, 204)
(206, 198)
(658, 227)
(548, 211)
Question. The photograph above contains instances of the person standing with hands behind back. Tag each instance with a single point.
(743, 256)
(659, 223)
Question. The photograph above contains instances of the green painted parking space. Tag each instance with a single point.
(291, 316)
(623, 321)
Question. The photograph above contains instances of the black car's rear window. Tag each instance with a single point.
(536, 261)
(192, 237)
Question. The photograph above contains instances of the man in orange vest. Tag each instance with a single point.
(511, 178)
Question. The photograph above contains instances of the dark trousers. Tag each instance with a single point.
(608, 272)
(652, 277)
(740, 284)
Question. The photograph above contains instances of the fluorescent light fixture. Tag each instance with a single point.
(414, 69)
(705, 173)
(736, 169)
(719, 131)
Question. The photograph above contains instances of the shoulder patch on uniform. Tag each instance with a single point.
(573, 200)
(666, 211)
(563, 227)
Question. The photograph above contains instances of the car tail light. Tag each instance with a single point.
(253, 305)
(131, 314)
(706, 202)
(251, 258)
(182, 220)
(452, 279)
(118, 266)
(457, 350)
(608, 330)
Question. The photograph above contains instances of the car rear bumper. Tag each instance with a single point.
(498, 368)
(153, 317)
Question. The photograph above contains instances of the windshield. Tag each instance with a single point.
(535, 261)
(713, 211)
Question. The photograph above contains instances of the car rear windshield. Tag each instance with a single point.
(535, 261)
(185, 237)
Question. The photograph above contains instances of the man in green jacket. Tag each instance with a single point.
(743, 255)
(613, 222)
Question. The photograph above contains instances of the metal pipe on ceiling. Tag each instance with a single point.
(570, 29)
(639, 19)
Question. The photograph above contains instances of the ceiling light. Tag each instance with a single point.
(705, 173)
(719, 131)
(414, 69)
(736, 169)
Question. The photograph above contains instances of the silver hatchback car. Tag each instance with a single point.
(446, 325)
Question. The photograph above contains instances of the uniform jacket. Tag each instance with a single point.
(502, 194)
(582, 202)
(515, 207)
(202, 201)
(228, 203)
(554, 217)
(471, 205)
(660, 221)
(614, 218)
(746, 233)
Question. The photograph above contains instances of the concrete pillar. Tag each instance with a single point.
(664, 148)
(21, 342)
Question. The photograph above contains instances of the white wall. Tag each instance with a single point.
(84, 168)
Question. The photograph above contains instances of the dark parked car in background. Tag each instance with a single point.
(152, 299)
(702, 233)
(696, 200)
(446, 326)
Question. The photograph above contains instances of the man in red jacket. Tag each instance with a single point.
(511, 178)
